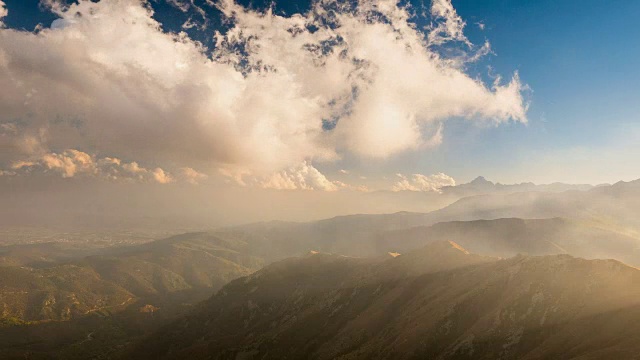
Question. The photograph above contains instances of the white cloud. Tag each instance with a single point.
(301, 177)
(73, 163)
(134, 168)
(69, 163)
(192, 176)
(419, 182)
(178, 4)
(449, 25)
(161, 176)
(3, 12)
(107, 77)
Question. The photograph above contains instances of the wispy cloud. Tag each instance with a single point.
(449, 26)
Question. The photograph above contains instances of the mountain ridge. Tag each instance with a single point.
(496, 309)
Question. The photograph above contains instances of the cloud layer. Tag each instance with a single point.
(277, 93)
(419, 182)
(74, 163)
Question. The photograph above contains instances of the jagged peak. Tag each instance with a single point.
(480, 180)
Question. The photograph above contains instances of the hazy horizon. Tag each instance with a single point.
(78, 203)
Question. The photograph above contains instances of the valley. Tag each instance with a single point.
(340, 275)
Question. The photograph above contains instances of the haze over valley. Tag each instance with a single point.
(128, 297)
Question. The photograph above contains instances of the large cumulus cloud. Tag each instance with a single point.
(276, 92)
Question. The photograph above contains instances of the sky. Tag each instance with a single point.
(325, 96)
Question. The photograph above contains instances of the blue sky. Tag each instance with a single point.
(579, 58)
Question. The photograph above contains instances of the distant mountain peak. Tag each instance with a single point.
(481, 180)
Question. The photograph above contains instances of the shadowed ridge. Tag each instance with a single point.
(480, 308)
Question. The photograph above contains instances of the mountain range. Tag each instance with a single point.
(119, 276)
(504, 274)
(438, 302)
(480, 185)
